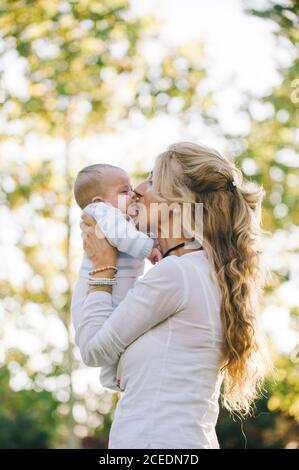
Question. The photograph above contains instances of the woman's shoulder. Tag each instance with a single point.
(198, 257)
(170, 270)
(166, 282)
(177, 267)
(167, 268)
(185, 265)
(166, 263)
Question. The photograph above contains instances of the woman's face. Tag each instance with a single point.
(146, 205)
(156, 215)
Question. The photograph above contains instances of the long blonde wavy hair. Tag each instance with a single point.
(188, 172)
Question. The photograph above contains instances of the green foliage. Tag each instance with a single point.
(28, 418)
(285, 390)
(78, 55)
(269, 154)
(273, 143)
(264, 430)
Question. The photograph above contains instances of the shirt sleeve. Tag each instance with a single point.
(119, 231)
(104, 333)
(108, 377)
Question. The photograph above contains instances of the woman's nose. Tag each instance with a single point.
(133, 195)
(137, 196)
(141, 189)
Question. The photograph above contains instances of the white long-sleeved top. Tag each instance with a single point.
(108, 373)
(166, 337)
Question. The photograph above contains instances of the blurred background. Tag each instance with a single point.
(117, 81)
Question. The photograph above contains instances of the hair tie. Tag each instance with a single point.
(231, 185)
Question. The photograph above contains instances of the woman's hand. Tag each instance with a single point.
(97, 248)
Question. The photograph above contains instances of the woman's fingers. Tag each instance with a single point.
(87, 219)
(89, 226)
(89, 233)
(98, 232)
(84, 230)
(87, 230)
(87, 238)
(83, 227)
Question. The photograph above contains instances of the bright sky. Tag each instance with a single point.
(241, 56)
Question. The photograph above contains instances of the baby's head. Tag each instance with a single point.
(103, 183)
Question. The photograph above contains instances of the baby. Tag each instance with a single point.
(104, 191)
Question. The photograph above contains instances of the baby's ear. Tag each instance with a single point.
(97, 199)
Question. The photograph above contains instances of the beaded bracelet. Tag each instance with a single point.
(102, 284)
(101, 281)
(101, 269)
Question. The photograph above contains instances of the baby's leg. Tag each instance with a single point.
(119, 291)
(108, 374)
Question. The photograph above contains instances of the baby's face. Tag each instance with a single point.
(118, 190)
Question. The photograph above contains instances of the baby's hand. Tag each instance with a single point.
(132, 211)
(155, 256)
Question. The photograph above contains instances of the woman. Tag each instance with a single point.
(190, 324)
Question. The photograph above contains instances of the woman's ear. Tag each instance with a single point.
(97, 199)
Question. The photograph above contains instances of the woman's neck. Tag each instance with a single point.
(167, 244)
(167, 240)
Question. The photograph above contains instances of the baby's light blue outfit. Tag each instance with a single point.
(133, 246)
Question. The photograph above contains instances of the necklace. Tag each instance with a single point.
(180, 245)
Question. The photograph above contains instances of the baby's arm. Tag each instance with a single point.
(121, 232)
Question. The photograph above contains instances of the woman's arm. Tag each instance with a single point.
(108, 376)
(104, 333)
